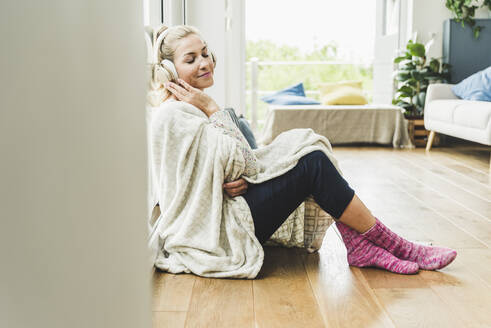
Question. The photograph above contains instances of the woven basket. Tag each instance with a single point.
(316, 223)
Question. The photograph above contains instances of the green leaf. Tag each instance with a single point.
(433, 78)
(403, 104)
(399, 59)
(403, 76)
(403, 96)
(421, 99)
(406, 89)
(476, 31)
(416, 49)
(399, 102)
(416, 75)
(434, 65)
(412, 82)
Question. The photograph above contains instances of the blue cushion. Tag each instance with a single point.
(245, 128)
(475, 87)
(294, 95)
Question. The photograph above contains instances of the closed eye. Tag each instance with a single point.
(192, 61)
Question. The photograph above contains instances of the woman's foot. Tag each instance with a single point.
(427, 257)
(363, 253)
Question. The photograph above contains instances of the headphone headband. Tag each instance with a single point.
(158, 44)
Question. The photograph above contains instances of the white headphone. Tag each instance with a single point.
(165, 62)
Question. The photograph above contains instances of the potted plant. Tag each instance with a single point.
(464, 11)
(415, 72)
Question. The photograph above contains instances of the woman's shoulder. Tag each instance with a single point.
(178, 105)
(171, 104)
(176, 109)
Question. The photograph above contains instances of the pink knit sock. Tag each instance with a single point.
(428, 257)
(363, 253)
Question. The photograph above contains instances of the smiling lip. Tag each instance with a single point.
(205, 75)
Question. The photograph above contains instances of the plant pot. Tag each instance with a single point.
(418, 133)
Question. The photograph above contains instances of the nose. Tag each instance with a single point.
(205, 64)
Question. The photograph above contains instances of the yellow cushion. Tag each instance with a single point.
(326, 88)
(342, 93)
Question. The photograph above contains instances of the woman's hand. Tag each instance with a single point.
(236, 188)
(196, 97)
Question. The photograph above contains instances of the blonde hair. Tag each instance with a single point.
(160, 74)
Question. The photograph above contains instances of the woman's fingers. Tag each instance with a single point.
(236, 190)
(235, 183)
(233, 194)
(178, 87)
(185, 85)
(174, 91)
(180, 92)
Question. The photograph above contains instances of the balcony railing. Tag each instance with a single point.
(253, 94)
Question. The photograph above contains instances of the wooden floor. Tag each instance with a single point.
(443, 197)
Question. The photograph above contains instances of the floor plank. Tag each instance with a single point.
(467, 296)
(344, 298)
(423, 162)
(169, 319)
(458, 194)
(478, 261)
(475, 157)
(460, 167)
(172, 292)
(221, 303)
(283, 296)
(416, 307)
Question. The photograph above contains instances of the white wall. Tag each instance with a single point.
(73, 165)
(428, 18)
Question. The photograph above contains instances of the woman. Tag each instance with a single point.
(273, 186)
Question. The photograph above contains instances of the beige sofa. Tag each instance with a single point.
(447, 114)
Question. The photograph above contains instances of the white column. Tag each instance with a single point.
(152, 15)
(174, 12)
(73, 237)
(235, 54)
(386, 46)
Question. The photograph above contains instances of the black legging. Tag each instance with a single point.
(272, 201)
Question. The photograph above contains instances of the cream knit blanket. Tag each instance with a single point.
(201, 229)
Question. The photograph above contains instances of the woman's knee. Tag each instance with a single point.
(317, 158)
(315, 155)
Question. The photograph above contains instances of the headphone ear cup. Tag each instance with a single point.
(171, 68)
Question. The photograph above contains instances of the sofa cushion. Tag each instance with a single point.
(441, 110)
(473, 114)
